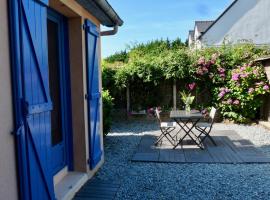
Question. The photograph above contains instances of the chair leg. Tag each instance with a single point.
(212, 140)
(207, 135)
(165, 133)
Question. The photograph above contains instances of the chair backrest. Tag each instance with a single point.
(158, 115)
(212, 114)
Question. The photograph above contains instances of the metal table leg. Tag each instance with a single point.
(188, 130)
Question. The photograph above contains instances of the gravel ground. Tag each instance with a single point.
(183, 181)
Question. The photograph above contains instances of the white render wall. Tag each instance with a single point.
(247, 20)
(197, 42)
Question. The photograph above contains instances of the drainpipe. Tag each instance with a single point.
(110, 32)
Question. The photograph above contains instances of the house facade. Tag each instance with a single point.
(51, 139)
(194, 40)
(243, 21)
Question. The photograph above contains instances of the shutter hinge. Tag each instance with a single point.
(86, 96)
(18, 130)
(85, 26)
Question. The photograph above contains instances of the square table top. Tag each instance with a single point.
(182, 114)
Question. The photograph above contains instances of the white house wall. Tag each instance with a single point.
(245, 20)
(197, 42)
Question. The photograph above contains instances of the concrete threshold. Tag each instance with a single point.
(69, 185)
(265, 124)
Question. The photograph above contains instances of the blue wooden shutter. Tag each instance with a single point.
(93, 90)
(34, 135)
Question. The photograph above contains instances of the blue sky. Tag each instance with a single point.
(146, 20)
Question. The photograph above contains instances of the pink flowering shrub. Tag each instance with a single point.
(228, 79)
(240, 99)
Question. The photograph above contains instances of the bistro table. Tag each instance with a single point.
(187, 121)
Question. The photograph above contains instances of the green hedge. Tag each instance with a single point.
(145, 67)
(107, 111)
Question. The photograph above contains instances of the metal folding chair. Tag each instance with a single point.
(205, 127)
(166, 129)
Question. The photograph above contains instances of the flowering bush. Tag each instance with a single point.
(240, 99)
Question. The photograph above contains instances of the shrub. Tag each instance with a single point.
(121, 56)
(240, 98)
(107, 111)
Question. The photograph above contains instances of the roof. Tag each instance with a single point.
(103, 11)
(203, 25)
(263, 58)
(220, 16)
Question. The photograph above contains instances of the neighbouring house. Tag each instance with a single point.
(51, 139)
(194, 35)
(190, 38)
(243, 21)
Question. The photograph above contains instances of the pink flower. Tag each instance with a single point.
(229, 101)
(243, 75)
(235, 77)
(199, 71)
(208, 64)
(227, 90)
(255, 71)
(212, 62)
(221, 70)
(266, 87)
(236, 102)
(259, 83)
(243, 68)
(250, 90)
(150, 111)
(221, 89)
(221, 94)
(204, 111)
(205, 69)
(222, 76)
(201, 61)
(191, 86)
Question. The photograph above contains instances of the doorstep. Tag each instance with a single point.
(69, 185)
(265, 124)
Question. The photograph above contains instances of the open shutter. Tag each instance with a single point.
(34, 135)
(93, 92)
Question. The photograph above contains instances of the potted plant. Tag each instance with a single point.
(187, 100)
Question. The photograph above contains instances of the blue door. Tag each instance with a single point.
(59, 87)
(93, 92)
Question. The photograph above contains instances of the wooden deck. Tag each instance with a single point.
(98, 190)
(231, 148)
